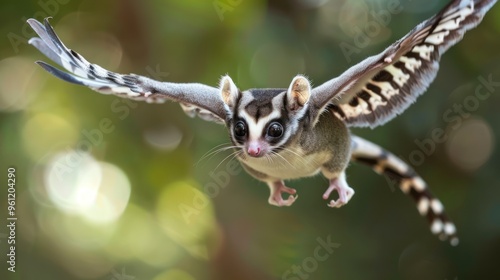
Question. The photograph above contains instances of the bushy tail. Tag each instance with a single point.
(385, 163)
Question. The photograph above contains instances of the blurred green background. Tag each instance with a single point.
(147, 201)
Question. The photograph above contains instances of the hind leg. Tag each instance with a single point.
(334, 171)
(276, 197)
(277, 188)
(339, 184)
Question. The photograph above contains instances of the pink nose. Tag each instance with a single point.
(254, 151)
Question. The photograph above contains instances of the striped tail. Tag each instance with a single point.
(410, 183)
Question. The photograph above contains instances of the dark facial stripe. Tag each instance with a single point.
(236, 106)
(261, 105)
(259, 109)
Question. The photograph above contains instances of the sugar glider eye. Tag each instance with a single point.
(240, 129)
(275, 130)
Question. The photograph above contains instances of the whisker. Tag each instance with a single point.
(284, 159)
(269, 159)
(225, 149)
(211, 151)
(297, 155)
(233, 154)
(214, 153)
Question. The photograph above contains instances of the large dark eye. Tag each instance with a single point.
(275, 130)
(240, 130)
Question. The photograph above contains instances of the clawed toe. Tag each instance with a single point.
(337, 203)
(344, 191)
(276, 197)
(279, 201)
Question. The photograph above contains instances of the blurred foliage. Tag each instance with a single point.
(149, 202)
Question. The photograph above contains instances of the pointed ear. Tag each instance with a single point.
(298, 93)
(229, 91)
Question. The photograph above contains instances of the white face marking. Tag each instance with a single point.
(255, 129)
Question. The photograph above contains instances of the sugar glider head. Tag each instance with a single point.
(263, 121)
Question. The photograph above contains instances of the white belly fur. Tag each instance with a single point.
(290, 165)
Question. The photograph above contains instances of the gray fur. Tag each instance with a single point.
(130, 86)
(327, 144)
